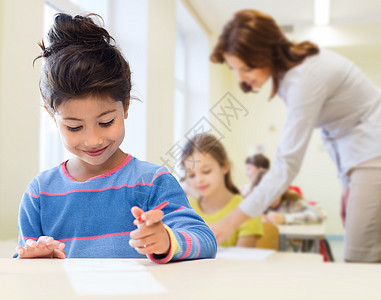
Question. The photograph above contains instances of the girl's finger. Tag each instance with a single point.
(153, 216)
(30, 243)
(42, 241)
(53, 245)
(20, 250)
(140, 243)
(137, 212)
(59, 254)
(147, 249)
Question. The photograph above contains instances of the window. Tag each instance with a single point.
(192, 77)
(51, 150)
(180, 86)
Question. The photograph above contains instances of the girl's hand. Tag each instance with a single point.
(275, 218)
(150, 237)
(45, 247)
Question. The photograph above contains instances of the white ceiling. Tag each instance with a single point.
(215, 13)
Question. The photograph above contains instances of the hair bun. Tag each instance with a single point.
(79, 30)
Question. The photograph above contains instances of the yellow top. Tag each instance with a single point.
(252, 226)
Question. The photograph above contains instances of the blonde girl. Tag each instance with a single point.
(208, 171)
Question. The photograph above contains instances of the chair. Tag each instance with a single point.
(270, 238)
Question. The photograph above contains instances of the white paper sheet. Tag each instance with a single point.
(241, 253)
(111, 277)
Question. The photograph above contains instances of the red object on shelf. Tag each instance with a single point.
(296, 189)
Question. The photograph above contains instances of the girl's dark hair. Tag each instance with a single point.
(256, 39)
(290, 196)
(207, 143)
(81, 60)
(258, 160)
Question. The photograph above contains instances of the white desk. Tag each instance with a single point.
(281, 276)
(315, 232)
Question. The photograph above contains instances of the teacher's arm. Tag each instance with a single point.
(226, 227)
(304, 102)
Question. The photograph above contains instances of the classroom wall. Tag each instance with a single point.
(19, 105)
(220, 85)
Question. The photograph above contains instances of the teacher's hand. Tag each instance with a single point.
(226, 227)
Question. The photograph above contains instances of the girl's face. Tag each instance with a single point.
(256, 77)
(92, 128)
(251, 171)
(205, 174)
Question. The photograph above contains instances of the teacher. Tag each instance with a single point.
(321, 90)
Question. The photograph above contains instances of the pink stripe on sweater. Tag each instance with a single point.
(34, 196)
(125, 162)
(27, 238)
(103, 189)
(94, 237)
(199, 247)
(188, 241)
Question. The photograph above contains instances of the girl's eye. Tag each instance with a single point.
(73, 128)
(207, 172)
(107, 123)
(190, 175)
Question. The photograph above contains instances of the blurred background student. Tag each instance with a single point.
(290, 209)
(253, 164)
(207, 170)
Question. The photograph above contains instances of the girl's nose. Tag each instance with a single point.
(199, 179)
(93, 139)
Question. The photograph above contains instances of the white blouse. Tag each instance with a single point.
(329, 92)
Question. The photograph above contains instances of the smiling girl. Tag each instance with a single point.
(208, 171)
(90, 205)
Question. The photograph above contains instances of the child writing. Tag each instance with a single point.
(90, 204)
(290, 208)
(208, 171)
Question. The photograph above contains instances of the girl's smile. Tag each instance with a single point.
(92, 128)
(202, 188)
(96, 152)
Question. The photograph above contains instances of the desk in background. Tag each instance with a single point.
(315, 232)
(280, 276)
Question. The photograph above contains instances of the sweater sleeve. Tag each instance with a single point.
(29, 220)
(190, 237)
(304, 93)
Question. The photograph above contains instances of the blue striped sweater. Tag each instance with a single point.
(94, 219)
